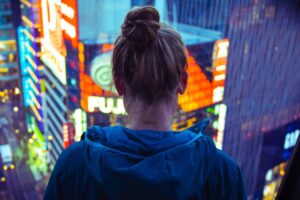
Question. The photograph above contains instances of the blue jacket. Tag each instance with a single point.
(120, 163)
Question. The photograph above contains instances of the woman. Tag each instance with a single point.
(145, 159)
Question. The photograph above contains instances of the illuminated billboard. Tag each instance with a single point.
(26, 68)
(69, 21)
(29, 73)
(205, 88)
(277, 149)
(207, 72)
(202, 99)
(96, 79)
(61, 25)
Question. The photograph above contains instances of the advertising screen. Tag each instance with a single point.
(59, 22)
(97, 91)
(29, 77)
(276, 150)
(202, 99)
(26, 68)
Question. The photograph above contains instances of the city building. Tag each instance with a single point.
(243, 67)
(43, 66)
(262, 79)
(31, 67)
(9, 73)
(277, 149)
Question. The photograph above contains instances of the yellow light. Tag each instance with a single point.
(16, 109)
(12, 166)
(33, 136)
(17, 90)
(40, 67)
(220, 77)
(50, 137)
(34, 100)
(36, 112)
(5, 167)
(30, 49)
(30, 140)
(29, 59)
(32, 74)
(17, 131)
(281, 172)
(27, 21)
(3, 179)
(28, 4)
(28, 34)
(36, 91)
(3, 70)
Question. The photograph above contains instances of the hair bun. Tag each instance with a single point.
(141, 26)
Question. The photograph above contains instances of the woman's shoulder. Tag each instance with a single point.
(73, 150)
(227, 175)
(71, 156)
(224, 159)
(227, 167)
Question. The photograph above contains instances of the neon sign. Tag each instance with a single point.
(199, 89)
(69, 21)
(106, 105)
(202, 92)
(221, 125)
(59, 21)
(23, 64)
(80, 122)
(96, 80)
(101, 71)
(68, 134)
(291, 139)
(53, 48)
(219, 69)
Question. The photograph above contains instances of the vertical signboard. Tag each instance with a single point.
(26, 68)
(59, 22)
(68, 132)
(53, 48)
(219, 68)
(69, 21)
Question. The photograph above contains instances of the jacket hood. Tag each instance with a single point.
(149, 164)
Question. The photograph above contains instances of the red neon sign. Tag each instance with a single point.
(69, 21)
(68, 132)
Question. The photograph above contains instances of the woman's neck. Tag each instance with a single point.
(155, 117)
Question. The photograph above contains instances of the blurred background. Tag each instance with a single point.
(55, 81)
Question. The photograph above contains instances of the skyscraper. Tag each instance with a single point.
(261, 88)
(9, 73)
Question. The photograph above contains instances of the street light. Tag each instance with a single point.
(50, 137)
(16, 109)
(17, 90)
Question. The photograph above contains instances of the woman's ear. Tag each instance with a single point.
(120, 86)
(183, 82)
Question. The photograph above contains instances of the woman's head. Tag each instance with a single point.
(149, 58)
